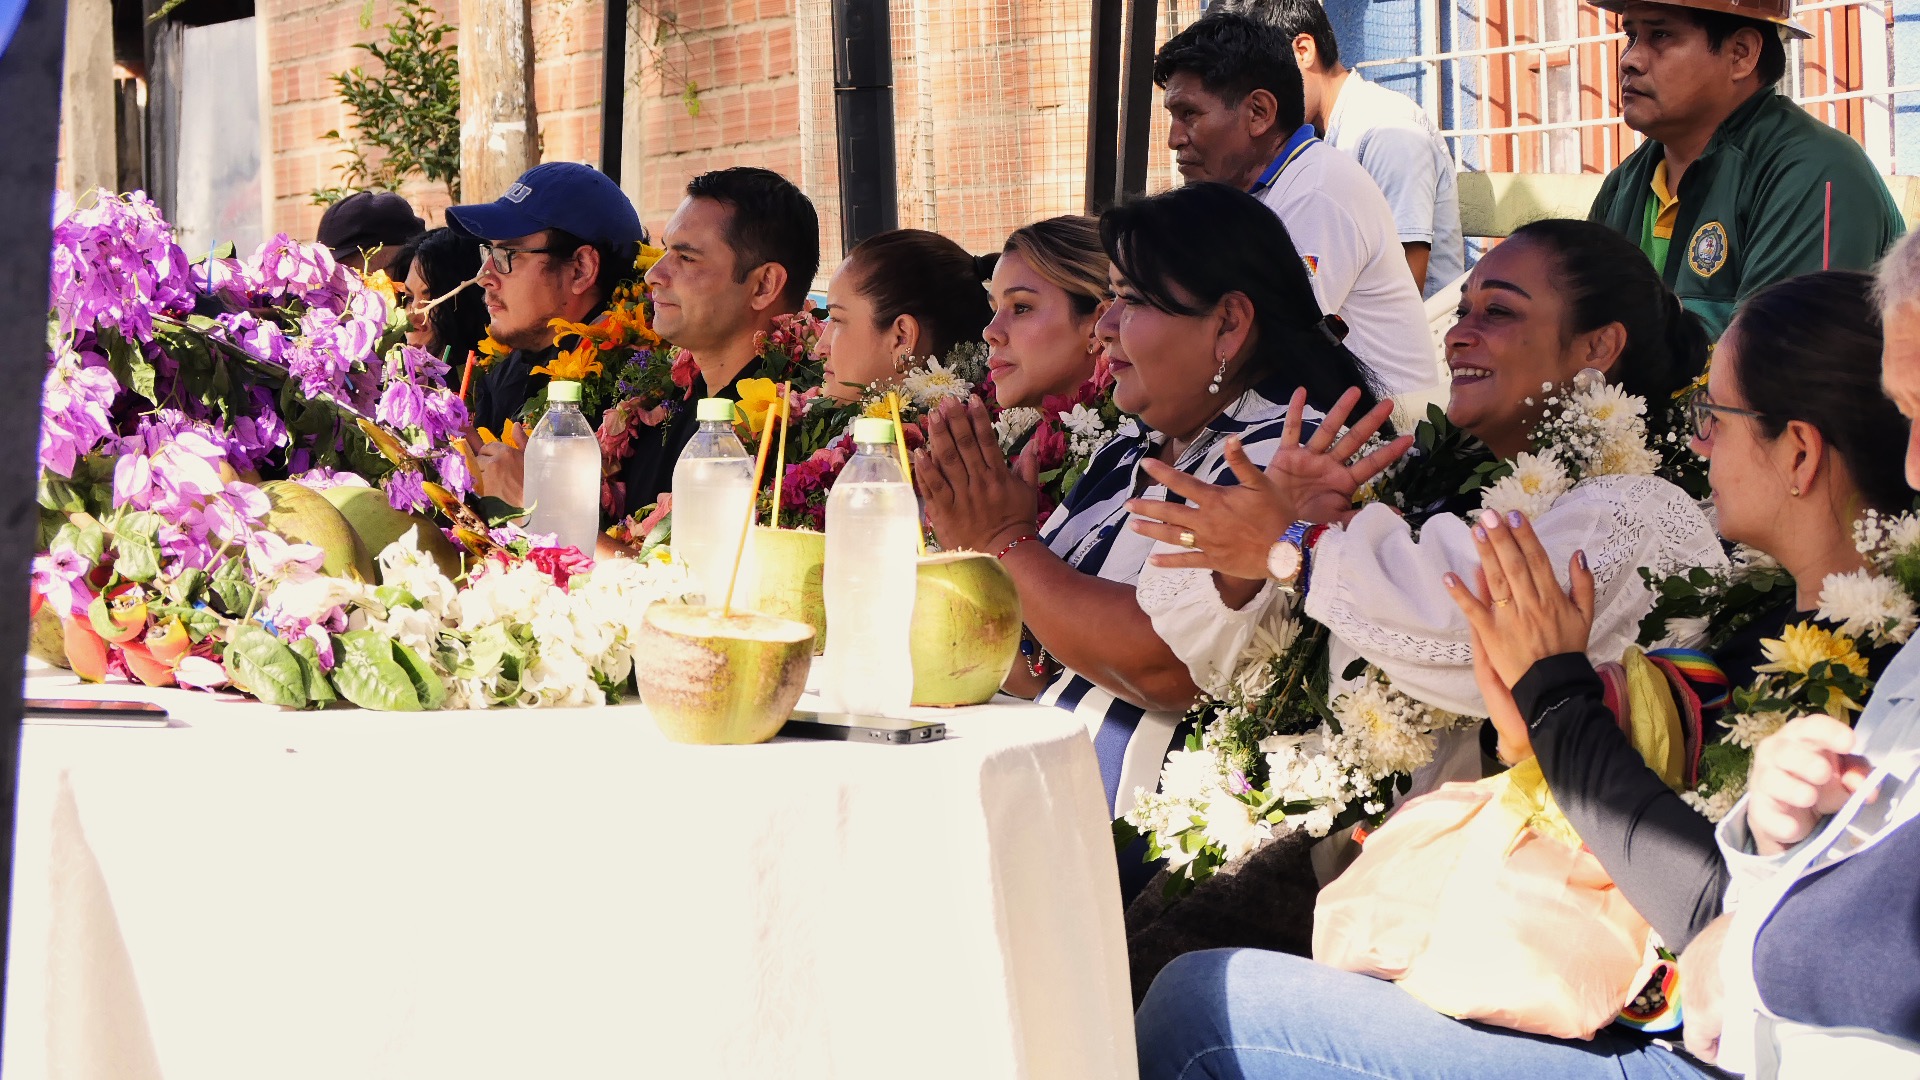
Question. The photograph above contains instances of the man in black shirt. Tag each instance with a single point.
(554, 246)
(741, 251)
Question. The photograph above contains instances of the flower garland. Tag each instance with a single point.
(1058, 439)
(1815, 666)
(1278, 750)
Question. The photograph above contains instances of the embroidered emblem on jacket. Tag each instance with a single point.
(1707, 251)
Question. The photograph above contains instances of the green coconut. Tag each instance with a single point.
(46, 638)
(789, 562)
(378, 524)
(300, 515)
(712, 678)
(966, 628)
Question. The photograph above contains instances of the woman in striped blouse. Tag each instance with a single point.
(1213, 326)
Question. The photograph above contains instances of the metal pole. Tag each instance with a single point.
(863, 118)
(1103, 105)
(613, 88)
(30, 66)
(1136, 106)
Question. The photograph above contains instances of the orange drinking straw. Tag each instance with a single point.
(906, 470)
(780, 458)
(746, 527)
(466, 380)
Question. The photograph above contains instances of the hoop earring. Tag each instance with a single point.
(1218, 376)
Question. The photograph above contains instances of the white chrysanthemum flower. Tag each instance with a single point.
(1865, 603)
(1627, 455)
(1232, 827)
(1380, 732)
(1536, 481)
(933, 384)
(1748, 730)
(1013, 425)
(1689, 632)
(1190, 775)
(1608, 404)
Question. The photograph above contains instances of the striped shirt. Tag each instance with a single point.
(1090, 531)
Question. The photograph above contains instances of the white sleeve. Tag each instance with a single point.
(1379, 590)
(1206, 634)
(1747, 870)
(1401, 161)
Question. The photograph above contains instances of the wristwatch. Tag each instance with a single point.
(1287, 558)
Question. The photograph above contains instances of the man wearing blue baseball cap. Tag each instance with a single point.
(553, 247)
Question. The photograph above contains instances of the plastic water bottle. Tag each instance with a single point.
(712, 493)
(871, 572)
(562, 471)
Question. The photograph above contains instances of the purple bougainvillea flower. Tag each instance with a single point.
(61, 576)
(405, 491)
(76, 410)
(115, 264)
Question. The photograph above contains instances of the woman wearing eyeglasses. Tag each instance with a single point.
(1800, 442)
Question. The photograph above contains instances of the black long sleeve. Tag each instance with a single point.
(1657, 849)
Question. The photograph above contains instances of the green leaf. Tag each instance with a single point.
(88, 541)
(264, 666)
(366, 673)
(200, 623)
(60, 495)
(144, 524)
(318, 688)
(496, 511)
(137, 559)
(230, 585)
(427, 684)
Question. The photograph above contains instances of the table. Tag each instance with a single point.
(558, 893)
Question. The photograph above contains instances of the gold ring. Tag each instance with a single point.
(1187, 539)
(1503, 602)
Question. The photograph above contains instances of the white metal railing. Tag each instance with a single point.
(1461, 85)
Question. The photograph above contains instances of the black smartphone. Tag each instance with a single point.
(97, 713)
(852, 727)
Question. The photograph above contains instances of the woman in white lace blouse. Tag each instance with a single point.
(1557, 297)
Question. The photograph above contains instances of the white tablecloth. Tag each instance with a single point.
(267, 894)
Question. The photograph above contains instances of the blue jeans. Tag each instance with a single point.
(1246, 1014)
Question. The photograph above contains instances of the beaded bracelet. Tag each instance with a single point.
(1002, 553)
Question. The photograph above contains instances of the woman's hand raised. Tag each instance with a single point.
(1231, 527)
(1520, 617)
(973, 499)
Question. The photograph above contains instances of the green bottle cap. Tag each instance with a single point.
(563, 390)
(873, 429)
(714, 409)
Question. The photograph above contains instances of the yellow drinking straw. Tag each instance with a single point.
(906, 470)
(746, 526)
(780, 462)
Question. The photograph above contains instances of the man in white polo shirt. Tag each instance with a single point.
(1238, 117)
(1388, 133)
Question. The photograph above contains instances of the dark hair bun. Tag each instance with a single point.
(983, 265)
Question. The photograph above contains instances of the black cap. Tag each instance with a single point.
(366, 220)
(558, 195)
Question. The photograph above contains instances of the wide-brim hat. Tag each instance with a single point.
(1777, 12)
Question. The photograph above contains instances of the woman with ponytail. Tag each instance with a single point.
(900, 297)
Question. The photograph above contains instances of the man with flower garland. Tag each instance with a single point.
(741, 251)
(554, 246)
(1736, 186)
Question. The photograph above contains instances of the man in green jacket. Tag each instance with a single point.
(1736, 186)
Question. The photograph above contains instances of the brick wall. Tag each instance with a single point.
(741, 55)
(310, 40)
